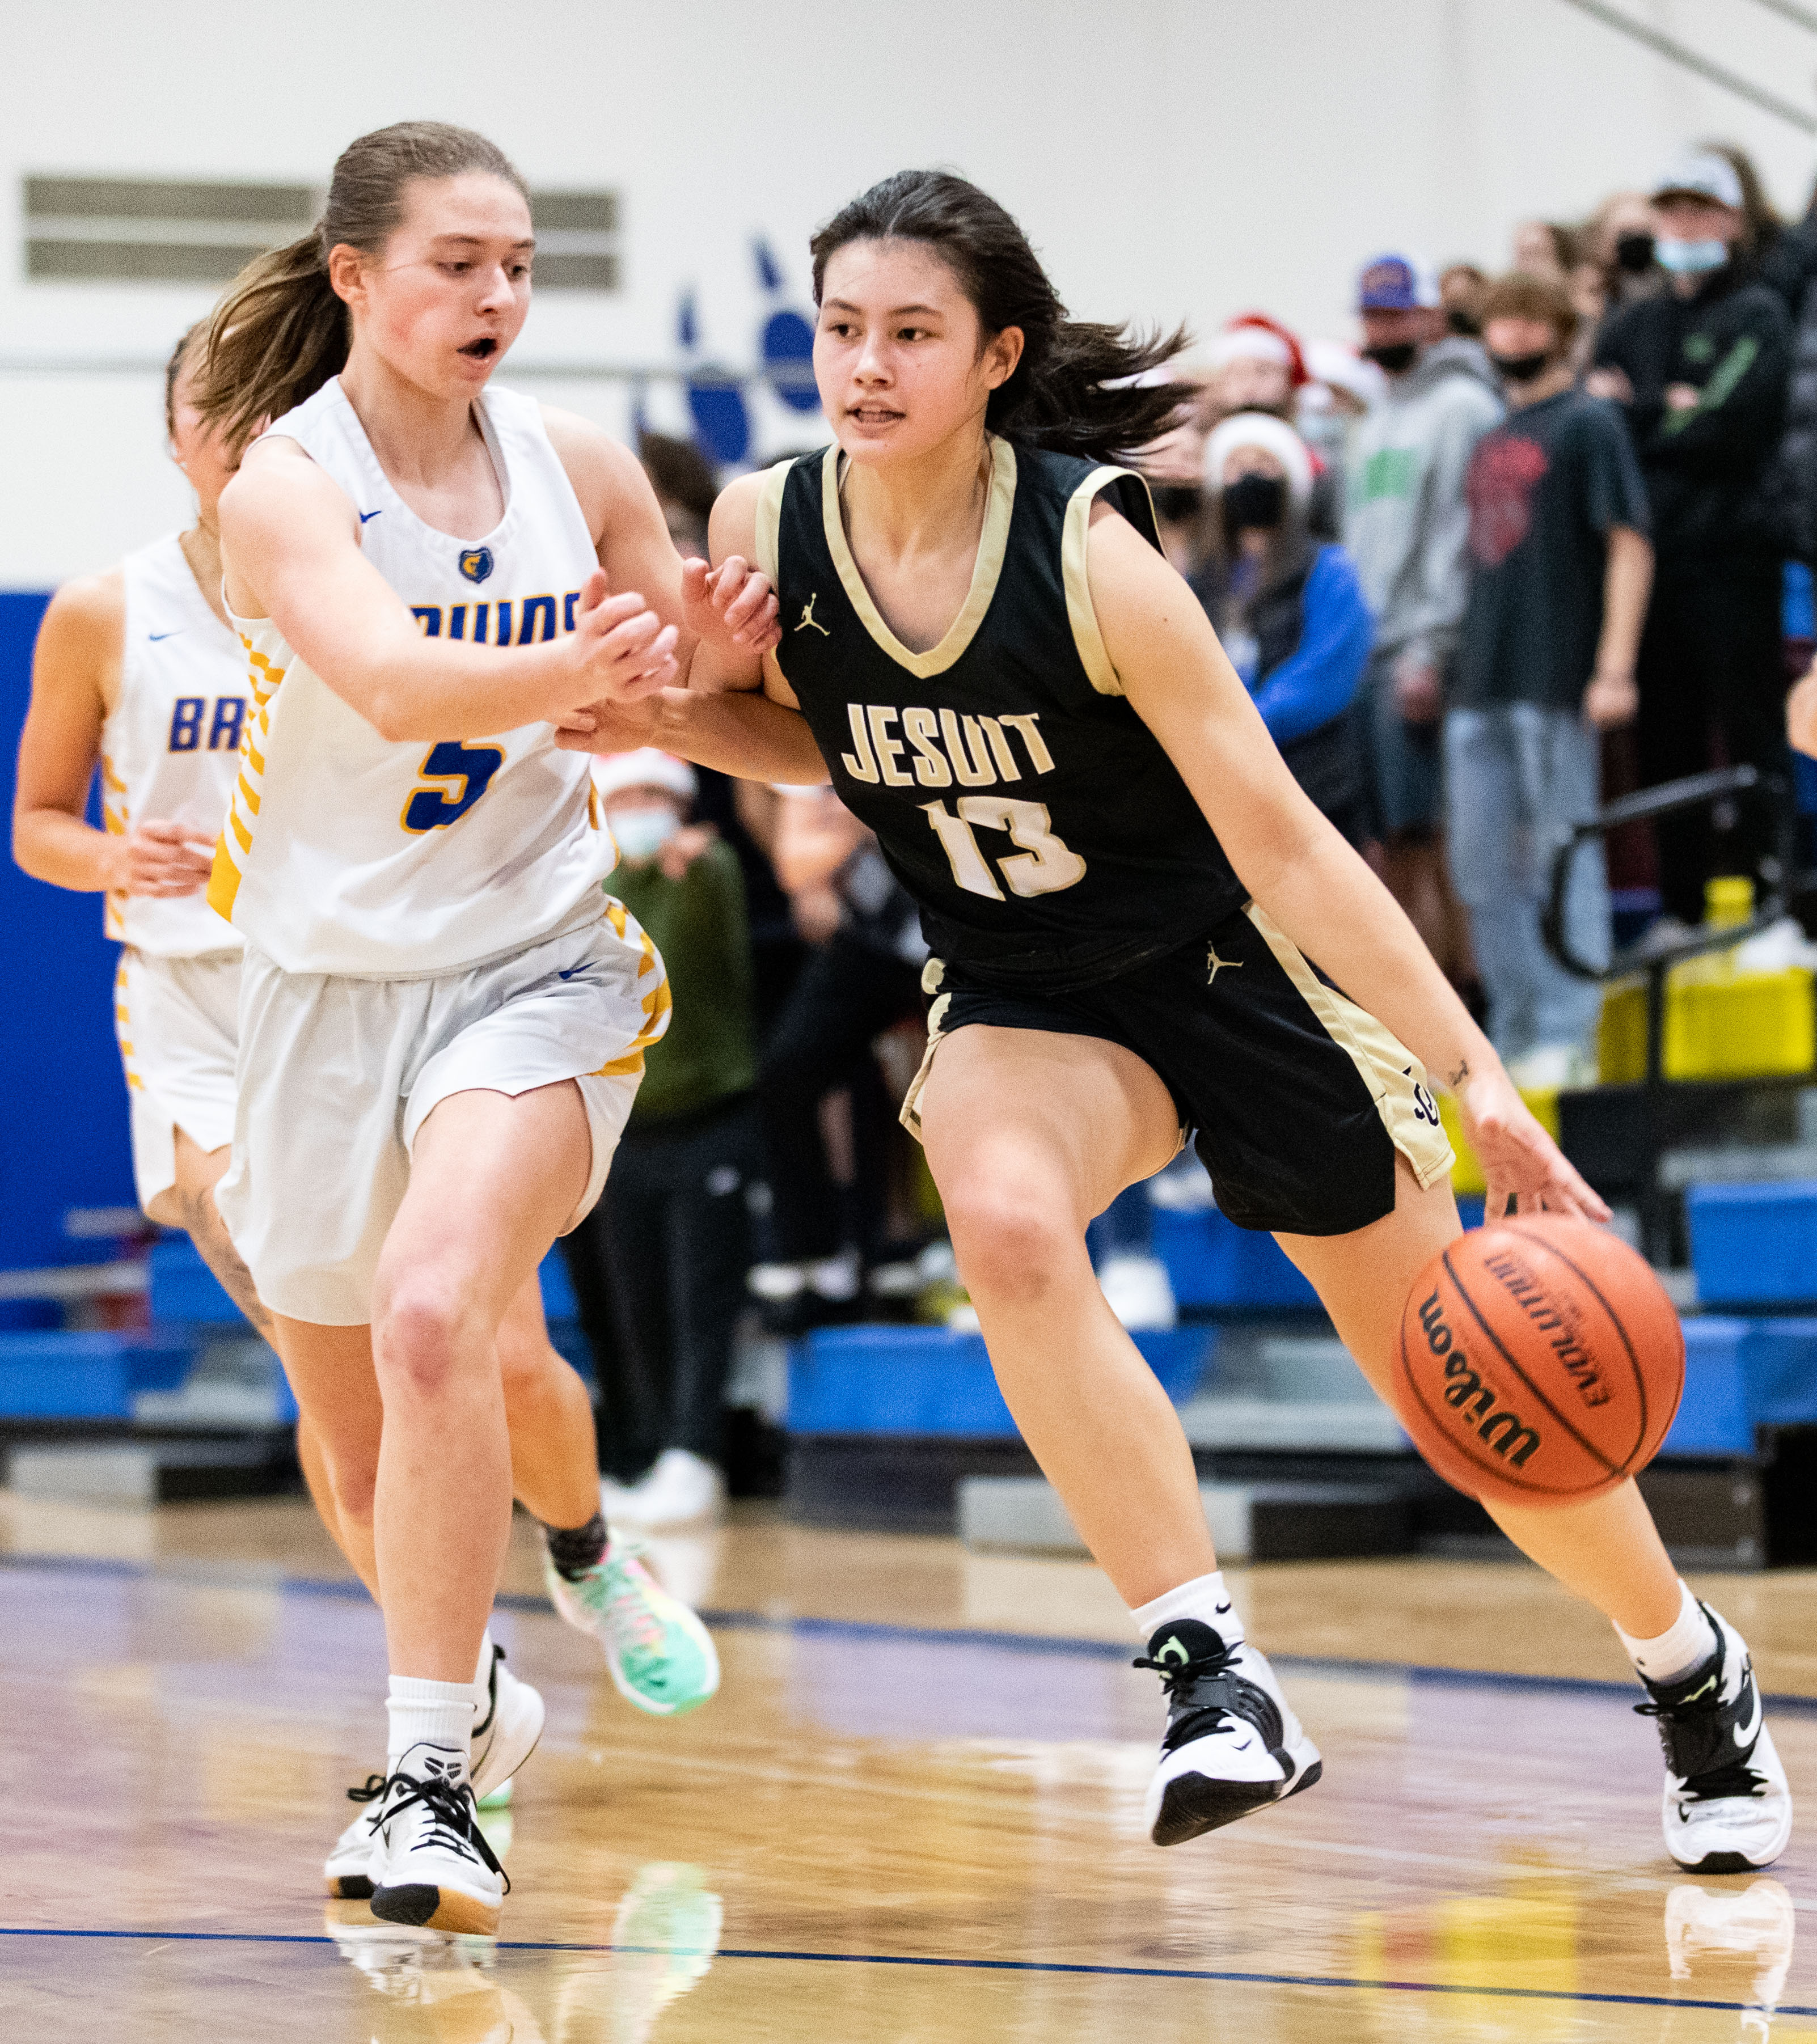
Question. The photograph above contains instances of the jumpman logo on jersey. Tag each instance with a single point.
(1215, 964)
(808, 617)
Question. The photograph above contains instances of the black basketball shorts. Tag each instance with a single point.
(1299, 1098)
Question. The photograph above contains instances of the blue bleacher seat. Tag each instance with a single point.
(1713, 1416)
(1213, 1263)
(1755, 1244)
(932, 1381)
(185, 1290)
(54, 1375)
(558, 1294)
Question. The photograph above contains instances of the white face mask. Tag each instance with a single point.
(642, 833)
(1690, 258)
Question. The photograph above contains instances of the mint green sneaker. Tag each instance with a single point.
(658, 1654)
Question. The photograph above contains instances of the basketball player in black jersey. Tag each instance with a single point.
(1124, 891)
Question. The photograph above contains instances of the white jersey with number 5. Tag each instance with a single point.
(347, 853)
(170, 748)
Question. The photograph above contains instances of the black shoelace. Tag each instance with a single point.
(1206, 1692)
(1692, 1731)
(453, 1823)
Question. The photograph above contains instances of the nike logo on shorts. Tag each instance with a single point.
(365, 516)
(155, 637)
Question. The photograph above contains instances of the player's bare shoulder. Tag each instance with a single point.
(80, 640)
(605, 473)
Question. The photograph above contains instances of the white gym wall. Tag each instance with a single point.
(1170, 159)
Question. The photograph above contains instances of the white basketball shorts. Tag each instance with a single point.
(338, 1075)
(178, 1021)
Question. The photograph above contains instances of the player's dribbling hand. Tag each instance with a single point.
(160, 860)
(733, 605)
(621, 650)
(1801, 714)
(1521, 1163)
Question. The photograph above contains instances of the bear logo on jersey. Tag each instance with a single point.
(476, 563)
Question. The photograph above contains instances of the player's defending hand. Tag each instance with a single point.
(160, 860)
(621, 650)
(1520, 1161)
(732, 605)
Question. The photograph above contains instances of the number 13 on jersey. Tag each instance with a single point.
(468, 768)
(1044, 865)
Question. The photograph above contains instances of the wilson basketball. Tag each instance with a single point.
(1539, 1359)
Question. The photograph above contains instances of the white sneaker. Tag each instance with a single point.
(505, 1734)
(431, 1865)
(1138, 1292)
(1233, 1744)
(347, 1871)
(503, 1739)
(1727, 1806)
(680, 1490)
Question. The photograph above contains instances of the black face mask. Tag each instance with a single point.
(1176, 502)
(1633, 253)
(1254, 503)
(1520, 368)
(1395, 357)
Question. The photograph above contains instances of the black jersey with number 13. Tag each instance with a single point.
(1048, 837)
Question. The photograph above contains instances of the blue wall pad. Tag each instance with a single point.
(1754, 1243)
(1713, 1418)
(85, 1376)
(1211, 1262)
(931, 1381)
(62, 1135)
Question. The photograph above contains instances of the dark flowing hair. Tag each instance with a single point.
(1080, 388)
(280, 332)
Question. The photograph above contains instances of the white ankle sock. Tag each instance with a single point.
(1688, 1642)
(483, 1675)
(439, 1712)
(1204, 1598)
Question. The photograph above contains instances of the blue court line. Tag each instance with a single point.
(201, 1576)
(1219, 1977)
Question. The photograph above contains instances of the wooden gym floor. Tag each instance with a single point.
(912, 1814)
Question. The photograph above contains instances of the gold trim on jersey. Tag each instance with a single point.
(770, 516)
(1082, 616)
(225, 877)
(992, 544)
(1395, 1076)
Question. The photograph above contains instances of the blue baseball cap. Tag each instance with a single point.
(1394, 284)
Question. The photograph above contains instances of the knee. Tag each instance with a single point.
(1012, 1248)
(420, 1329)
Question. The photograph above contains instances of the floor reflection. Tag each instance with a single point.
(437, 1989)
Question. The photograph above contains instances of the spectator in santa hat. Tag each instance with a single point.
(1258, 365)
(1287, 608)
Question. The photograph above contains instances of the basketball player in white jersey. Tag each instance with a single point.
(138, 672)
(443, 1016)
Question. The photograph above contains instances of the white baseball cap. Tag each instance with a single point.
(647, 768)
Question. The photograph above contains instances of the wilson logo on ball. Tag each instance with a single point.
(1466, 1393)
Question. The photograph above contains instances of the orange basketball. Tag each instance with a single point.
(1539, 1360)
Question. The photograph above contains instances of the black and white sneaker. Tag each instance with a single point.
(1232, 1744)
(504, 1737)
(1727, 1806)
(430, 1864)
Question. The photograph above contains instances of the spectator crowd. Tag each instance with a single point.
(1519, 546)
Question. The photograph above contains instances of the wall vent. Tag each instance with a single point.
(158, 231)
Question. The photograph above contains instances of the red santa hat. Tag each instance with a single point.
(1255, 337)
